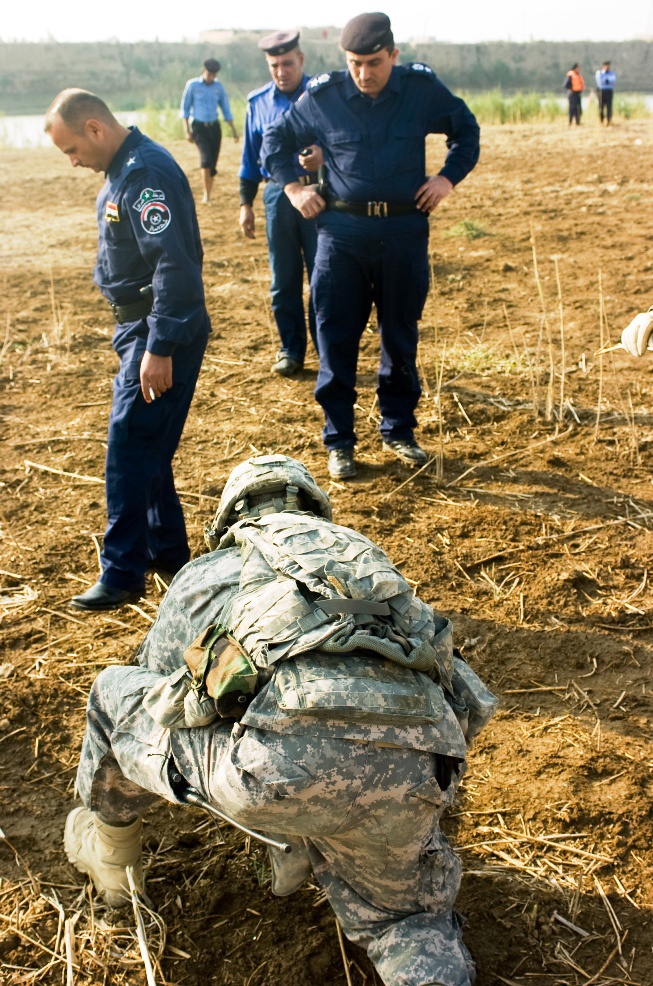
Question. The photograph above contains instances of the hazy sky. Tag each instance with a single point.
(470, 20)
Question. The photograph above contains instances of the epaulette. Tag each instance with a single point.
(322, 81)
(420, 68)
(259, 92)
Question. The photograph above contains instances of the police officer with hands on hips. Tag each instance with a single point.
(149, 268)
(292, 240)
(294, 682)
(201, 99)
(373, 227)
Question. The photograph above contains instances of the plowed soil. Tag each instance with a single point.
(531, 528)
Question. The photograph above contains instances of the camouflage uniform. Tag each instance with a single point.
(364, 795)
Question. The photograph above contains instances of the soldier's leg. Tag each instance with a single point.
(399, 906)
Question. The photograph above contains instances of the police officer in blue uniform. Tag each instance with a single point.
(149, 268)
(373, 226)
(292, 240)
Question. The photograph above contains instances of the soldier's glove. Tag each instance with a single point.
(635, 337)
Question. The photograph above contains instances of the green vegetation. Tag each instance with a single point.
(469, 229)
(630, 107)
(131, 76)
(529, 107)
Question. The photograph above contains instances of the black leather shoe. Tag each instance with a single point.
(101, 596)
(408, 451)
(341, 463)
(286, 366)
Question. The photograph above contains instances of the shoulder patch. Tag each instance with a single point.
(420, 68)
(259, 92)
(319, 80)
(155, 214)
(111, 213)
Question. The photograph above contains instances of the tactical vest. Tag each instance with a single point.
(308, 585)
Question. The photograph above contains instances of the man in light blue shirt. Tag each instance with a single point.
(199, 111)
(605, 81)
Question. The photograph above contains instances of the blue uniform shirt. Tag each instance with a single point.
(148, 234)
(201, 101)
(263, 106)
(605, 80)
(374, 148)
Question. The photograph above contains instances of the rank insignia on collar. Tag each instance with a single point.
(146, 196)
(132, 160)
(111, 213)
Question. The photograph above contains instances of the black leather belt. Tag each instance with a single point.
(132, 312)
(202, 123)
(375, 210)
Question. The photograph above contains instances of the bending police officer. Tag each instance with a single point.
(373, 226)
(149, 268)
(292, 240)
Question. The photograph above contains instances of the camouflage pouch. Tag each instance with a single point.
(222, 670)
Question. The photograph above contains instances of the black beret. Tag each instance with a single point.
(212, 65)
(279, 42)
(367, 34)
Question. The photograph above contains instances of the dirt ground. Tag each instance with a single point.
(531, 528)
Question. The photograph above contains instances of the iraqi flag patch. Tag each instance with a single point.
(111, 213)
(155, 214)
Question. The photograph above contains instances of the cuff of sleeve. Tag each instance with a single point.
(452, 174)
(248, 190)
(159, 347)
(285, 176)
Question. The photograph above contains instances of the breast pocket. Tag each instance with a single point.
(350, 152)
(404, 151)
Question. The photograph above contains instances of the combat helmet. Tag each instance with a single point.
(265, 484)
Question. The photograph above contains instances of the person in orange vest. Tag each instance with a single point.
(575, 86)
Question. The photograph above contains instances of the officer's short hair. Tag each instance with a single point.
(75, 106)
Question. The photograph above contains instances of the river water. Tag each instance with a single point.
(27, 131)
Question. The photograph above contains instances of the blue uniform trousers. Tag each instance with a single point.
(292, 242)
(145, 520)
(359, 262)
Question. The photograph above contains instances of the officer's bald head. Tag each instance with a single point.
(82, 126)
(74, 107)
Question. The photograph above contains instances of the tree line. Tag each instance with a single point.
(129, 76)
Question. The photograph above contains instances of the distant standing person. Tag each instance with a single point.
(292, 240)
(574, 85)
(149, 269)
(605, 82)
(199, 110)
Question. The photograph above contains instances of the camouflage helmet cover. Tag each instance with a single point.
(261, 474)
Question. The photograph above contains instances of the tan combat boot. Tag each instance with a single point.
(104, 852)
(288, 871)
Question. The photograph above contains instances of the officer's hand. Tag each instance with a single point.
(156, 375)
(305, 199)
(247, 221)
(635, 337)
(190, 137)
(313, 160)
(432, 192)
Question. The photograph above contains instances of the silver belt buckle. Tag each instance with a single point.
(377, 210)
